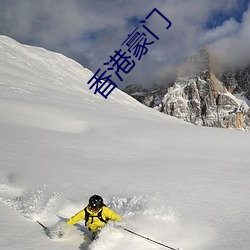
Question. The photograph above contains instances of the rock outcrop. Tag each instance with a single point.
(201, 97)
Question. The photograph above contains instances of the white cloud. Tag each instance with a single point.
(228, 28)
(233, 50)
(90, 30)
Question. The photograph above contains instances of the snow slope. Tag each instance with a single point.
(176, 183)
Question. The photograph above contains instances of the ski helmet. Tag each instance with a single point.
(96, 202)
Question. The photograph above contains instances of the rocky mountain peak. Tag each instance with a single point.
(202, 97)
(197, 64)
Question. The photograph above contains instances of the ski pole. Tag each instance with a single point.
(146, 238)
(45, 228)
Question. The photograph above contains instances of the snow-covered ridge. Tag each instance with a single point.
(33, 74)
(35, 66)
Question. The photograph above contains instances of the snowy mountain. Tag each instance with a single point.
(182, 185)
(201, 96)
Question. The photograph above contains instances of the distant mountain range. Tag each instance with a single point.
(201, 94)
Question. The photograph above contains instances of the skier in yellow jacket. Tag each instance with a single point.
(96, 215)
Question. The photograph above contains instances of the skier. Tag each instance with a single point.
(95, 214)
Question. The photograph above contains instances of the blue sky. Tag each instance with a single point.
(218, 17)
(90, 30)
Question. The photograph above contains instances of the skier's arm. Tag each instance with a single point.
(110, 214)
(77, 217)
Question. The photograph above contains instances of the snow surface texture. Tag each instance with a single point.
(173, 182)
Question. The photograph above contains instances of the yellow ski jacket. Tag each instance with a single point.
(94, 223)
